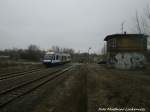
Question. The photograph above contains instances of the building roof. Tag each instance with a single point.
(123, 35)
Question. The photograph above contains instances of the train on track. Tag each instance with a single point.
(56, 58)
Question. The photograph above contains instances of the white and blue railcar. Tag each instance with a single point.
(55, 58)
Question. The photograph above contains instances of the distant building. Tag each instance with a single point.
(126, 51)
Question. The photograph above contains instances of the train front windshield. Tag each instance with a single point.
(48, 57)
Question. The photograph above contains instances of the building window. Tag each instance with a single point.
(112, 43)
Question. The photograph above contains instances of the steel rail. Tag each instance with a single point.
(43, 80)
(19, 74)
(15, 72)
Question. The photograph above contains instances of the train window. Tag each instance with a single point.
(65, 58)
(53, 57)
(56, 57)
(47, 57)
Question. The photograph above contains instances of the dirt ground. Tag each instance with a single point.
(110, 89)
(95, 88)
(91, 88)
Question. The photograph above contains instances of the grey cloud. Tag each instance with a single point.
(68, 23)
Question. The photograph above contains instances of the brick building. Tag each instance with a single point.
(126, 51)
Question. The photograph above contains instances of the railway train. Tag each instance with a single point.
(55, 58)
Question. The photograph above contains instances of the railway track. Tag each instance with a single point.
(9, 75)
(15, 71)
(11, 94)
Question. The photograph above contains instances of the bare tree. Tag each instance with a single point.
(56, 48)
(147, 12)
(32, 53)
(64, 50)
(138, 26)
(142, 22)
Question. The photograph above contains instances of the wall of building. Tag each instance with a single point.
(131, 43)
(127, 44)
(126, 51)
(129, 60)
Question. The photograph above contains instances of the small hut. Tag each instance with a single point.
(126, 51)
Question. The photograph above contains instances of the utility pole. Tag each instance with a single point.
(122, 27)
(89, 54)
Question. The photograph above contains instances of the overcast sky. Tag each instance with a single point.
(77, 24)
